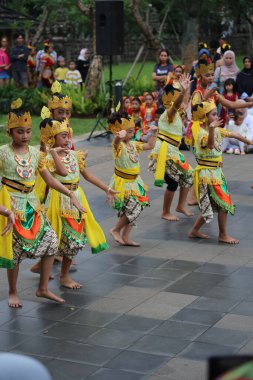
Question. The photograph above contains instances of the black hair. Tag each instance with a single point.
(160, 111)
(19, 34)
(46, 121)
(202, 45)
(228, 82)
(149, 94)
(136, 99)
(167, 52)
(117, 116)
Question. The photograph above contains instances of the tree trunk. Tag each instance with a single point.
(153, 41)
(190, 42)
(42, 25)
(93, 78)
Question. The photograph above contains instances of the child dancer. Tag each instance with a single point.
(70, 226)
(209, 182)
(136, 114)
(32, 234)
(132, 197)
(167, 162)
(229, 94)
(147, 112)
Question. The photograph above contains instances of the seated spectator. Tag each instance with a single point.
(73, 75)
(244, 80)
(236, 124)
(249, 123)
(229, 94)
(61, 71)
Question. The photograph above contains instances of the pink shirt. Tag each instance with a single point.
(4, 59)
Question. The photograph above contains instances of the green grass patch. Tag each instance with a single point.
(80, 126)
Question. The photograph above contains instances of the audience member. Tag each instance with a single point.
(61, 71)
(73, 76)
(19, 55)
(4, 62)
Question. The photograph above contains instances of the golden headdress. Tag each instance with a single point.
(49, 128)
(170, 94)
(119, 121)
(199, 111)
(204, 67)
(18, 117)
(59, 100)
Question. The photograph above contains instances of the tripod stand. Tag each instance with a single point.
(100, 121)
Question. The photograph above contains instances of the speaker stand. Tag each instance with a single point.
(100, 121)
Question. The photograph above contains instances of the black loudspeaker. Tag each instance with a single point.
(109, 27)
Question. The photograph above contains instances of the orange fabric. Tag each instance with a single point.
(32, 232)
(78, 227)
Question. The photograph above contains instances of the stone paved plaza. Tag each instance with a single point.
(156, 312)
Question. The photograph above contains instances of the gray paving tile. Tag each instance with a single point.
(150, 262)
(213, 304)
(4, 318)
(182, 264)
(132, 323)
(225, 337)
(196, 283)
(159, 345)
(112, 374)
(8, 340)
(27, 325)
(179, 330)
(244, 308)
(51, 311)
(203, 351)
(78, 299)
(66, 370)
(91, 318)
(183, 369)
(152, 283)
(203, 317)
(137, 361)
(166, 274)
(115, 278)
(70, 332)
(217, 268)
(129, 269)
(228, 293)
(114, 338)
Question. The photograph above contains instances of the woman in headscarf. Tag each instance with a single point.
(83, 63)
(244, 80)
(228, 69)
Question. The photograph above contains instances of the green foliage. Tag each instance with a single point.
(137, 87)
(34, 99)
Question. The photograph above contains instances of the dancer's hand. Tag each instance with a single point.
(152, 128)
(60, 150)
(74, 202)
(185, 82)
(10, 221)
(216, 123)
(111, 195)
(121, 134)
(210, 92)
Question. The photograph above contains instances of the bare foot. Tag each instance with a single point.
(184, 211)
(14, 301)
(131, 243)
(170, 217)
(49, 295)
(67, 282)
(116, 236)
(228, 239)
(36, 269)
(193, 234)
(192, 203)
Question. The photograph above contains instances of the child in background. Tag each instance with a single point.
(73, 75)
(147, 111)
(132, 194)
(136, 113)
(31, 65)
(127, 105)
(229, 94)
(61, 71)
(236, 124)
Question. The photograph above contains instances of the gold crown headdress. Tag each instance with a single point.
(49, 128)
(59, 100)
(199, 111)
(17, 117)
(118, 122)
(170, 94)
(204, 67)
